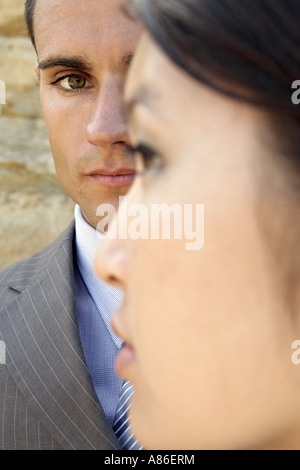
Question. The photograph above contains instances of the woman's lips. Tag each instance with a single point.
(125, 359)
(118, 178)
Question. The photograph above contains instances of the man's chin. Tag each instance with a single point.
(101, 215)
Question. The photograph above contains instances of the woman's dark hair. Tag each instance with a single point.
(248, 49)
(29, 18)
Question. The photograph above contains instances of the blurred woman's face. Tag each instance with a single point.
(208, 335)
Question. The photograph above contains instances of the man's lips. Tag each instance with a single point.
(113, 178)
(115, 172)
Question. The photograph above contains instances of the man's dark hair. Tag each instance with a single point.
(29, 18)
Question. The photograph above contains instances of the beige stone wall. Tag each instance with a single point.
(34, 209)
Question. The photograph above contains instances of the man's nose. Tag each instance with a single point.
(107, 125)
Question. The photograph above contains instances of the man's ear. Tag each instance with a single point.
(37, 72)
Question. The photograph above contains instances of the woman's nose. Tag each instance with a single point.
(110, 263)
(112, 259)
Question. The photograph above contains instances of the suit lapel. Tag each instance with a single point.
(45, 357)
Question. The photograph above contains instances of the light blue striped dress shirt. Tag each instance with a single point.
(95, 341)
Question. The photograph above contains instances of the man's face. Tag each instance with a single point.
(84, 49)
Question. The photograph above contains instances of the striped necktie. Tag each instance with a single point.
(121, 425)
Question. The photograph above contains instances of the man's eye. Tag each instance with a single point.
(72, 83)
(148, 157)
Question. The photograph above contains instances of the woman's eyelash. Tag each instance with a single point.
(146, 152)
(150, 158)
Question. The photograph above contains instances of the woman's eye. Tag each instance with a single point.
(146, 157)
(72, 83)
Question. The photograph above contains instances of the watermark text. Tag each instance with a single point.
(296, 93)
(155, 222)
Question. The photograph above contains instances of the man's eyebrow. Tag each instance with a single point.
(143, 96)
(75, 62)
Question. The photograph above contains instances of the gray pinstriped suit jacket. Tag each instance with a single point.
(47, 400)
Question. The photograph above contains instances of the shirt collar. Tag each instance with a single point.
(88, 239)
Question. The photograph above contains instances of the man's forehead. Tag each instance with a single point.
(56, 6)
(100, 12)
(82, 24)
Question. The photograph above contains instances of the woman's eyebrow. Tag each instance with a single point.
(75, 62)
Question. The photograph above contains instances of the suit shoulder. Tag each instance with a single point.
(34, 266)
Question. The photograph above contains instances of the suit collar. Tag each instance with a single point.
(35, 268)
(44, 353)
